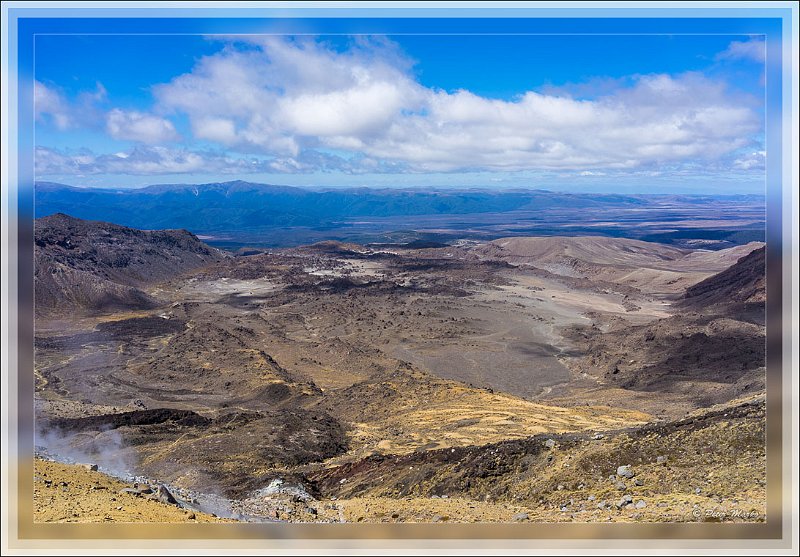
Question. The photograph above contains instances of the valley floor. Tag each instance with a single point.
(498, 382)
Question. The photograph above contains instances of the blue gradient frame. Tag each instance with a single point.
(774, 23)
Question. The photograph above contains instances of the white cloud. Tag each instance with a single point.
(281, 96)
(287, 98)
(304, 106)
(751, 161)
(141, 160)
(220, 130)
(49, 102)
(154, 160)
(86, 110)
(139, 126)
(82, 111)
(753, 49)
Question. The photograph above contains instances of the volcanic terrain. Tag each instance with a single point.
(579, 378)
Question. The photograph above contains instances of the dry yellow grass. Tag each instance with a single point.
(72, 493)
(461, 416)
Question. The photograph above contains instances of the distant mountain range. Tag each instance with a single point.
(222, 206)
(247, 212)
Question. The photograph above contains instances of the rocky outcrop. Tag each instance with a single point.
(98, 266)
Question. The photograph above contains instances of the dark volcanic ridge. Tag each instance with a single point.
(99, 266)
(181, 445)
(742, 283)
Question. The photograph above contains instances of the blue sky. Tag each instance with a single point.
(648, 113)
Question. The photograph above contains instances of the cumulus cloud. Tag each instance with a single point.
(87, 110)
(288, 97)
(48, 102)
(52, 105)
(302, 105)
(139, 126)
(753, 49)
(282, 96)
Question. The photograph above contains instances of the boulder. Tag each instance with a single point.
(162, 494)
(625, 471)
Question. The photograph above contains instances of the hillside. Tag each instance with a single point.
(588, 249)
(75, 493)
(711, 350)
(739, 284)
(661, 472)
(99, 266)
(648, 266)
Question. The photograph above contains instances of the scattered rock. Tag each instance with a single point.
(640, 504)
(520, 517)
(621, 486)
(662, 460)
(590, 498)
(598, 436)
(638, 482)
(295, 493)
(550, 443)
(625, 500)
(90, 467)
(163, 495)
(625, 471)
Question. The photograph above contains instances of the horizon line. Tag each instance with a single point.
(433, 188)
